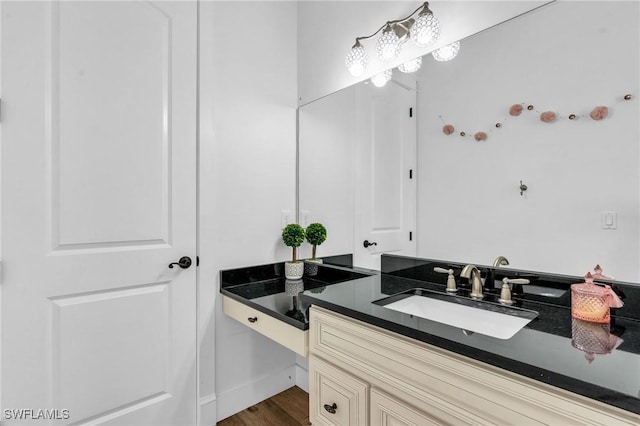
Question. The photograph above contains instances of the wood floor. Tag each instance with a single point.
(288, 408)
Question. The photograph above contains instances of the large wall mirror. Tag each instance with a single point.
(376, 166)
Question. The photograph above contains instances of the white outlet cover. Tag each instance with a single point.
(304, 218)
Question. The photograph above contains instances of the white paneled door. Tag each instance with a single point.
(98, 136)
(385, 170)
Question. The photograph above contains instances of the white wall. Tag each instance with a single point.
(248, 138)
(327, 30)
(207, 274)
(568, 57)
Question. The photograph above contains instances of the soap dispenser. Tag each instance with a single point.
(591, 302)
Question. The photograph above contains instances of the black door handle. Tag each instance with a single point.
(367, 244)
(184, 262)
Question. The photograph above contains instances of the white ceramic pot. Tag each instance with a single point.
(293, 270)
(311, 266)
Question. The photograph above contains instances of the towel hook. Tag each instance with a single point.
(523, 187)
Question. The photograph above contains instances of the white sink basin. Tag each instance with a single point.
(490, 319)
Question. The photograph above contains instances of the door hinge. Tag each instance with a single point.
(411, 112)
(410, 236)
(410, 173)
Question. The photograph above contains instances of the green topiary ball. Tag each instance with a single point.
(316, 234)
(293, 235)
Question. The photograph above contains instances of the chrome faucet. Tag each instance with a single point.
(471, 272)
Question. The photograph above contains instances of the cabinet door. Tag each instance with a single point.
(337, 398)
(388, 411)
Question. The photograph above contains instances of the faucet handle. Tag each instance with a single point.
(505, 292)
(451, 279)
(516, 280)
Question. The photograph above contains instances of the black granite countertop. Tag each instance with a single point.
(544, 350)
(265, 288)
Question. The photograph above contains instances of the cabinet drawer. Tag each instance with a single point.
(337, 398)
(279, 331)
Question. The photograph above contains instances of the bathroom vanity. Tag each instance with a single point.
(373, 365)
(366, 375)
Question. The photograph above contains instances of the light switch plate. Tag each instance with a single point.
(609, 220)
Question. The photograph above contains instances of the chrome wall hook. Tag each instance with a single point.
(523, 188)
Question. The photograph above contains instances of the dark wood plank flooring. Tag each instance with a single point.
(288, 408)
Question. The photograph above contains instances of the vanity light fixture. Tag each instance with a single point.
(388, 45)
(411, 65)
(426, 29)
(423, 30)
(447, 53)
(357, 59)
(379, 80)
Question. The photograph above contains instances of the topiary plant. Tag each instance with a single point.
(293, 236)
(316, 235)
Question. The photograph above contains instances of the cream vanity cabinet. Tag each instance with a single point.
(364, 375)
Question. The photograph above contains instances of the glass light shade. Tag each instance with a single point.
(412, 65)
(426, 30)
(388, 45)
(356, 60)
(381, 79)
(447, 53)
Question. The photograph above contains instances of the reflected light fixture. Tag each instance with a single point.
(411, 65)
(381, 79)
(447, 53)
(423, 30)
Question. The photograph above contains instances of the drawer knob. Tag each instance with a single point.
(252, 319)
(331, 408)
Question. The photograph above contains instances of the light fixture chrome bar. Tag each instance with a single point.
(420, 25)
(402, 28)
(424, 8)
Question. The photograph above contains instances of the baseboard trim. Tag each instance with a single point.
(302, 378)
(208, 410)
(235, 400)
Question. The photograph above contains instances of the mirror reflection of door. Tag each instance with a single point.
(385, 172)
